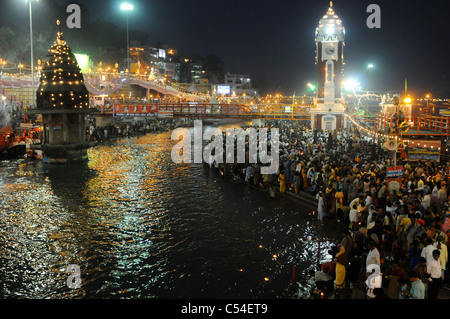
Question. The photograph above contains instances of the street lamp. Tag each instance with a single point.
(370, 68)
(32, 54)
(127, 7)
(312, 87)
(351, 85)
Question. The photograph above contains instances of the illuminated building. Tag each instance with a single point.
(240, 84)
(164, 62)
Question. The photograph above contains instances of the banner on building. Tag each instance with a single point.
(418, 150)
(135, 110)
(444, 112)
(165, 114)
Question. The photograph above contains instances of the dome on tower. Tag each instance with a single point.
(61, 83)
(330, 27)
(330, 18)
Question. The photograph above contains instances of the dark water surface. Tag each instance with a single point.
(140, 226)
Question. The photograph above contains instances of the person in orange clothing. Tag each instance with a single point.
(341, 265)
(305, 179)
(325, 277)
(431, 232)
(282, 180)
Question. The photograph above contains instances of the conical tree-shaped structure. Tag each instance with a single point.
(62, 84)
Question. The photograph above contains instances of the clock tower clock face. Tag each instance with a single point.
(330, 50)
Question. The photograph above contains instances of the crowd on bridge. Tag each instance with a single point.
(123, 129)
(403, 232)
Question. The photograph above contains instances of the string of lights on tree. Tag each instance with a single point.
(62, 84)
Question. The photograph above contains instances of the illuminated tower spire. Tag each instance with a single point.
(330, 42)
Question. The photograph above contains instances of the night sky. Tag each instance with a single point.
(274, 40)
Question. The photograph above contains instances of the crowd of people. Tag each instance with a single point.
(122, 129)
(394, 240)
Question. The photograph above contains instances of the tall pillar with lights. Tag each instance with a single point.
(328, 108)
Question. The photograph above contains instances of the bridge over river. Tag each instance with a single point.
(204, 107)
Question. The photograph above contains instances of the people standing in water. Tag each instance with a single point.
(353, 171)
(320, 207)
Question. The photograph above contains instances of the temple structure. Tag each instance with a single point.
(63, 100)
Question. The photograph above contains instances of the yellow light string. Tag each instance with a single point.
(386, 136)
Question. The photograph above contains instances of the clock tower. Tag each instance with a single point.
(327, 112)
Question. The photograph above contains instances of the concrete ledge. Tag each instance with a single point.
(48, 147)
(304, 197)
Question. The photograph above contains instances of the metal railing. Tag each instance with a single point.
(420, 124)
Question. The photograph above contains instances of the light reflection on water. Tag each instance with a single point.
(140, 226)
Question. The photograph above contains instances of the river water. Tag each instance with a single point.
(140, 226)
